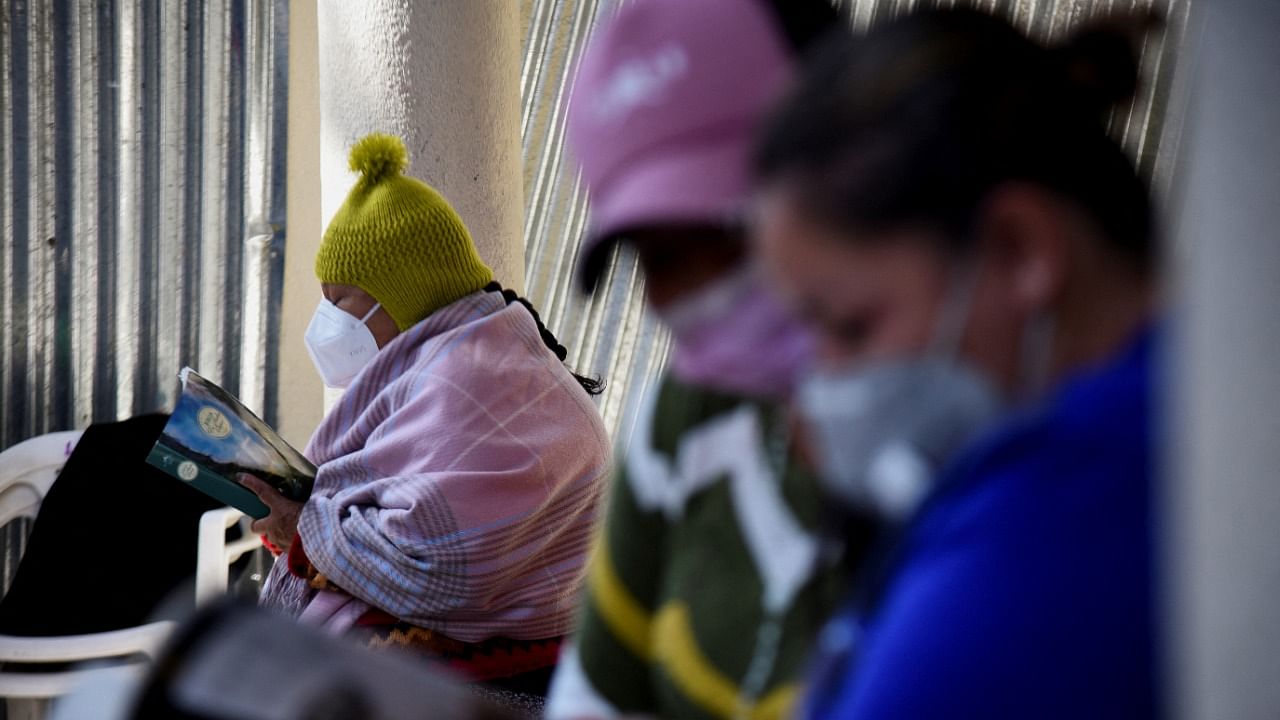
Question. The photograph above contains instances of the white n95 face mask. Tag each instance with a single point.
(340, 344)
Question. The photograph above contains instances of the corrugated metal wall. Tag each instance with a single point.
(609, 332)
(142, 201)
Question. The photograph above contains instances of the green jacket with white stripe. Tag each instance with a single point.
(710, 580)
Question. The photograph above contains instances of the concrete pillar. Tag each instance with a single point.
(442, 74)
(1224, 496)
(300, 392)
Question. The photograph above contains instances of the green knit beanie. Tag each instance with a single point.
(397, 239)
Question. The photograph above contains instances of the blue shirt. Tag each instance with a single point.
(1024, 588)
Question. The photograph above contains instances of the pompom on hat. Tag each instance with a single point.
(398, 239)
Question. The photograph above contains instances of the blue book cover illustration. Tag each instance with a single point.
(211, 437)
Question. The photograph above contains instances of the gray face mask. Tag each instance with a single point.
(882, 431)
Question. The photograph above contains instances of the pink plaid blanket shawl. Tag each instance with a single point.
(458, 483)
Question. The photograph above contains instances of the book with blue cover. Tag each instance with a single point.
(211, 437)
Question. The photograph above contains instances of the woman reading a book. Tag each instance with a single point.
(459, 474)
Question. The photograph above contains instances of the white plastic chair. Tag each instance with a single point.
(27, 471)
(214, 555)
(28, 695)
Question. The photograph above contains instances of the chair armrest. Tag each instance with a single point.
(144, 639)
(38, 686)
(213, 554)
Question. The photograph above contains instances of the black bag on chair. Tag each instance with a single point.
(113, 538)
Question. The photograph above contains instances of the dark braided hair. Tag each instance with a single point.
(593, 386)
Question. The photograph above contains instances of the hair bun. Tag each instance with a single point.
(377, 156)
(1100, 60)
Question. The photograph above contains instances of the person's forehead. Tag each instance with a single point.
(336, 291)
(833, 271)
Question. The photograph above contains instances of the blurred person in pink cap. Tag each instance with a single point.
(710, 577)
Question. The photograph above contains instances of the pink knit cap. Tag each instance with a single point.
(664, 110)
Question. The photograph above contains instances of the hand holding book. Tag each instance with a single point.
(282, 523)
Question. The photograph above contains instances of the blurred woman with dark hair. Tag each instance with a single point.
(942, 200)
